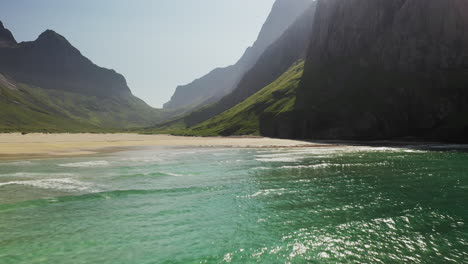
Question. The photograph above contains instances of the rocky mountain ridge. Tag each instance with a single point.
(48, 85)
(6, 37)
(220, 82)
(52, 62)
(276, 60)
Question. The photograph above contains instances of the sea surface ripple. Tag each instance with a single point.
(332, 204)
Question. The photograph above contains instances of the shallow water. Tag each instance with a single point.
(176, 205)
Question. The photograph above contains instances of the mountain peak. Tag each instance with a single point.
(50, 35)
(52, 41)
(6, 38)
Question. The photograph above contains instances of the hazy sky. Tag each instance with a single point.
(155, 44)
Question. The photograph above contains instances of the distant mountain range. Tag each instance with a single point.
(47, 84)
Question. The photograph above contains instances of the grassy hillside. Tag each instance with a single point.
(32, 109)
(243, 119)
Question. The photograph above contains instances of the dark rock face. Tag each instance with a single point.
(222, 81)
(279, 126)
(51, 62)
(6, 38)
(289, 48)
(380, 69)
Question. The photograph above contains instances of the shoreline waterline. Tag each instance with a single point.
(17, 146)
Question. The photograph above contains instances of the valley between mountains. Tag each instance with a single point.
(326, 69)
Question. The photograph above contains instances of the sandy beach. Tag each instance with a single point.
(42, 145)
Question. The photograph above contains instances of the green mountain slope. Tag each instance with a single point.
(48, 85)
(277, 58)
(32, 109)
(221, 81)
(244, 118)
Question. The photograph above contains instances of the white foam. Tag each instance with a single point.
(316, 166)
(325, 165)
(280, 159)
(66, 184)
(267, 192)
(144, 159)
(384, 163)
(18, 163)
(281, 155)
(262, 168)
(86, 164)
(414, 151)
(36, 175)
(175, 174)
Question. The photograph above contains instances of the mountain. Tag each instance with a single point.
(52, 62)
(379, 69)
(290, 47)
(221, 81)
(6, 38)
(244, 119)
(54, 80)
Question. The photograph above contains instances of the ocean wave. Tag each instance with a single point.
(175, 174)
(17, 163)
(86, 164)
(414, 151)
(36, 175)
(384, 163)
(325, 165)
(143, 159)
(267, 192)
(279, 155)
(279, 159)
(65, 184)
(315, 166)
(272, 150)
(262, 168)
(296, 155)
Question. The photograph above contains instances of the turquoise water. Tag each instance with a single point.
(181, 205)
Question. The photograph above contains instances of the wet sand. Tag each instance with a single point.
(16, 145)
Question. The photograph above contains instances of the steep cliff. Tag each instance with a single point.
(6, 38)
(221, 81)
(289, 48)
(379, 69)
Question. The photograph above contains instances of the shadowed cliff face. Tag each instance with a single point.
(6, 38)
(52, 62)
(275, 61)
(221, 81)
(385, 69)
